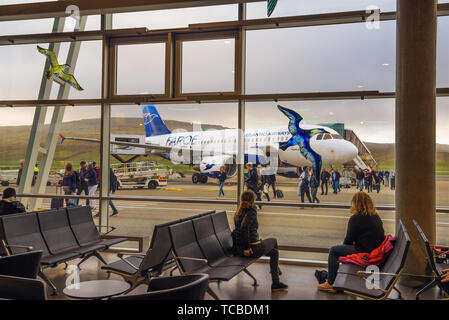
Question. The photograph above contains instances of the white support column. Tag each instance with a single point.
(37, 127)
(241, 110)
(55, 125)
(106, 23)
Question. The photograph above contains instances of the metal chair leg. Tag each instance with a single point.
(212, 293)
(84, 259)
(99, 257)
(48, 282)
(399, 293)
(252, 277)
(427, 287)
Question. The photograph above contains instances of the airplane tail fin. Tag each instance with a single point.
(154, 125)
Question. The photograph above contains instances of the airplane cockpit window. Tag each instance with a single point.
(327, 136)
(337, 136)
(319, 136)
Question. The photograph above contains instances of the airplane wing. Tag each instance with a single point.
(119, 143)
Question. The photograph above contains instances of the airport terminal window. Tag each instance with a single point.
(175, 18)
(141, 69)
(208, 65)
(322, 58)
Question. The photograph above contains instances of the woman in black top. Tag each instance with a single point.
(247, 241)
(365, 233)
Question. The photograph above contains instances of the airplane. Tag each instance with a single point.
(207, 151)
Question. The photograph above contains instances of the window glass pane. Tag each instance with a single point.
(367, 124)
(303, 7)
(175, 18)
(443, 53)
(141, 69)
(325, 58)
(208, 65)
(442, 168)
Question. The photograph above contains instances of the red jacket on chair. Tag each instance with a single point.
(375, 257)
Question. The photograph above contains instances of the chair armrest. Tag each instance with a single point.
(140, 254)
(204, 261)
(362, 274)
(111, 227)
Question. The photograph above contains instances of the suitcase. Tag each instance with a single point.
(57, 203)
(279, 194)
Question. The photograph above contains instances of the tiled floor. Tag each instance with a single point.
(301, 281)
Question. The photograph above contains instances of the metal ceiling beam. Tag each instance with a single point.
(43, 10)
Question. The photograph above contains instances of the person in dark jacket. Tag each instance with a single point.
(247, 241)
(113, 185)
(336, 180)
(325, 176)
(83, 187)
(365, 233)
(222, 179)
(304, 185)
(92, 183)
(69, 182)
(19, 174)
(360, 176)
(252, 180)
(314, 184)
(368, 181)
(9, 204)
(377, 180)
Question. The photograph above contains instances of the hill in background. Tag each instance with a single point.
(14, 141)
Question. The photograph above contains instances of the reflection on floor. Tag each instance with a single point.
(301, 281)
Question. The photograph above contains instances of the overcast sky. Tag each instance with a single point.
(312, 59)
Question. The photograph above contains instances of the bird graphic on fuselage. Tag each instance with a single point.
(59, 70)
(301, 138)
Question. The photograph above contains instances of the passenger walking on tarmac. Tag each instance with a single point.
(368, 181)
(9, 203)
(381, 176)
(222, 179)
(387, 178)
(83, 187)
(377, 181)
(314, 184)
(360, 177)
(365, 233)
(92, 184)
(247, 242)
(98, 171)
(393, 180)
(262, 179)
(270, 179)
(336, 180)
(304, 185)
(19, 174)
(69, 182)
(251, 181)
(113, 185)
(325, 176)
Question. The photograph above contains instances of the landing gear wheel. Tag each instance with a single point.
(196, 178)
(203, 179)
(152, 184)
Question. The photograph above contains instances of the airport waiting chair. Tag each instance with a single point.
(351, 278)
(59, 237)
(16, 288)
(190, 287)
(436, 268)
(136, 269)
(223, 231)
(86, 233)
(190, 259)
(211, 248)
(23, 265)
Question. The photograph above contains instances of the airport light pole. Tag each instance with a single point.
(416, 125)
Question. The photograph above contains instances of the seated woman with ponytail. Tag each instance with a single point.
(247, 242)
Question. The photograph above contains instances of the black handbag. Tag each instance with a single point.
(321, 276)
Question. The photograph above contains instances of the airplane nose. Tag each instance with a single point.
(351, 150)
